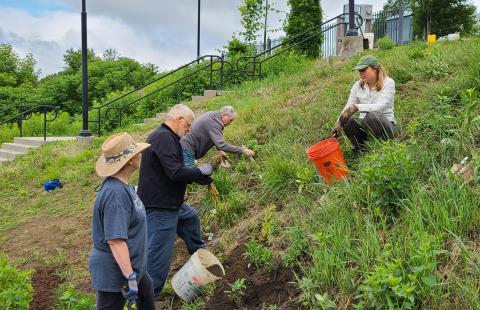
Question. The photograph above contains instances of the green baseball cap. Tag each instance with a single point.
(366, 61)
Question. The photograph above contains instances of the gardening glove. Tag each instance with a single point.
(130, 290)
(206, 169)
(336, 129)
(347, 113)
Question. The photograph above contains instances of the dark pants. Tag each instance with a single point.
(163, 226)
(114, 301)
(373, 125)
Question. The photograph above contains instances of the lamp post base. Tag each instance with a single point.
(85, 133)
(351, 33)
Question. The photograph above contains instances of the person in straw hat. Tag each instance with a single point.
(162, 183)
(118, 260)
(373, 96)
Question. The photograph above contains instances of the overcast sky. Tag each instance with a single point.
(159, 32)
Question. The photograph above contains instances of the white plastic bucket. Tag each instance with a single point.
(194, 274)
(370, 36)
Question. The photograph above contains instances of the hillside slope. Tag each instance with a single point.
(401, 232)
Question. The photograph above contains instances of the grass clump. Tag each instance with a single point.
(385, 43)
(259, 255)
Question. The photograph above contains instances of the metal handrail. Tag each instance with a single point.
(212, 63)
(18, 107)
(122, 107)
(28, 113)
(318, 29)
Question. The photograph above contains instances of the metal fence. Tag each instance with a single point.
(389, 24)
(329, 42)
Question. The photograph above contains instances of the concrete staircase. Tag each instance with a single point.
(20, 146)
(207, 94)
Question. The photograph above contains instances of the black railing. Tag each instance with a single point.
(212, 61)
(249, 65)
(28, 112)
(6, 112)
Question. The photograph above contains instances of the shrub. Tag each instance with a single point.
(434, 67)
(259, 255)
(387, 174)
(15, 287)
(386, 43)
(400, 75)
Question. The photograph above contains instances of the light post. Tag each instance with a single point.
(198, 31)
(265, 27)
(84, 132)
(351, 32)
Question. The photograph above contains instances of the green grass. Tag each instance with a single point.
(400, 232)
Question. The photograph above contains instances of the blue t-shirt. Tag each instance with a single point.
(118, 213)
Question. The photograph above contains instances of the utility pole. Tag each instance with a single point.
(351, 32)
(265, 27)
(84, 132)
(198, 31)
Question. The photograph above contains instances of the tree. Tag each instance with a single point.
(251, 12)
(304, 14)
(442, 17)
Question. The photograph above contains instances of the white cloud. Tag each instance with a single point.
(160, 32)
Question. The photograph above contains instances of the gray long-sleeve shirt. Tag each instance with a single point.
(206, 132)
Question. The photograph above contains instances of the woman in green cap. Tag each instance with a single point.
(372, 95)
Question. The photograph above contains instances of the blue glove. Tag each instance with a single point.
(132, 292)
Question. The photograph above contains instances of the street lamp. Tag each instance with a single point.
(351, 32)
(198, 31)
(265, 27)
(84, 132)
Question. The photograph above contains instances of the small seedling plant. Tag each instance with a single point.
(237, 291)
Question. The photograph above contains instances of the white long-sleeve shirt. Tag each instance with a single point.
(372, 100)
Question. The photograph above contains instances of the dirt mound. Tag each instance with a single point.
(44, 282)
(262, 288)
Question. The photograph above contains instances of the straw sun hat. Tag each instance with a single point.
(117, 150)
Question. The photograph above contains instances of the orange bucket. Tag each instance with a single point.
(328, 159)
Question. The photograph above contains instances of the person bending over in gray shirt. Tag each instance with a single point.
(206, 132)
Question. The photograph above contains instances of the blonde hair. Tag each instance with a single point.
(381, 76)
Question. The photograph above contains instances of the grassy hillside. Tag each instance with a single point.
(401, 232)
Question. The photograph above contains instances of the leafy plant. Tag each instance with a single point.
(266, 230)
(259, 255)
(387, 174)
(323, 302)
(385, 43)
(15, 287)
(237, 291)
(72, 300)
(435, 66)
(299, 244)
(398, 283)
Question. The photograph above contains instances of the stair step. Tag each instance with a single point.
(225, 92)
(163, 116)
(198, 98)
(9, 154)
(4, 161)
(16, 147)
(150, 120)
(210, 93)
(38, 141)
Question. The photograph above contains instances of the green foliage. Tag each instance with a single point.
(72, 300)
(237, 291)
(400, 74)
(15, 287)
(251, 12)
(298, 246)
(442, 17)
(279, 175)
(259, 255)
(435, 66)
(304, 14)
(227, 211)
(385, 43)
(387, 174)
(398, 283)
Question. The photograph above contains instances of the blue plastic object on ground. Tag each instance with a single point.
(52, 184)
